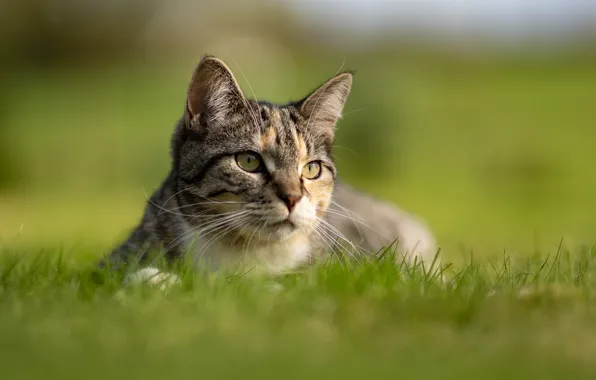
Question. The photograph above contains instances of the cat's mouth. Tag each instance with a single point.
(282, 223)
(274, 230)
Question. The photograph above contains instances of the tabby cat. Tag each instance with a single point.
(253, 184)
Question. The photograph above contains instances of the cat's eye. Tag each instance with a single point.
(249, 161)
(312, 170)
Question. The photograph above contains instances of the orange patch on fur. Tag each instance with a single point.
(268, 138)
(275, 117)
(321, 208)
(302, 151)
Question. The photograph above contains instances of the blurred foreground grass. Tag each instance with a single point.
(496, 154)
(514, 318)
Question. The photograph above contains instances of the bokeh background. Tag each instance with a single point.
(479, 116)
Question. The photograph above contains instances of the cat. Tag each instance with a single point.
(254, 184)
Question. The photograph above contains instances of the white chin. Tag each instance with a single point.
(269, 233)
(282, 231)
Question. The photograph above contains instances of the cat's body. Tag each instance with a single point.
(253, 184)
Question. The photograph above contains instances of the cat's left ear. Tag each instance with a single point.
(324, 107)
(213, 94)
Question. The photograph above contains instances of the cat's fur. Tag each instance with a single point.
(274, 219)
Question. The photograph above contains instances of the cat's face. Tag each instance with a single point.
(254, 172)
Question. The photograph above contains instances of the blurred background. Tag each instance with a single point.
(479, 116)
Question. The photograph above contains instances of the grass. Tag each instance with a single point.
(505, 318)
(496, 154)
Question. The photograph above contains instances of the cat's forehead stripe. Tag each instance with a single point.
(302, 150)
(268, 138)
(282, 139)
(274, 131)
(275, 117)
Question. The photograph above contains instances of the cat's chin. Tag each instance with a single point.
(273, 232)
(277, 232)
(282, 232)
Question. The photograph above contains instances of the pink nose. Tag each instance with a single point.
(290, 200)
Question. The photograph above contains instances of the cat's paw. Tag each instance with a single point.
(152, 276)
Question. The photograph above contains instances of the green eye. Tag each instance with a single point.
(312, 170)
(249, 161)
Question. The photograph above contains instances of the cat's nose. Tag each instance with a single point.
(290, 200)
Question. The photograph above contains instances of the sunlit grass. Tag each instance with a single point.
(494, 156)
(524, 318)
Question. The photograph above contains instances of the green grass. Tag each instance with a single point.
(494, 153)
(505, 318)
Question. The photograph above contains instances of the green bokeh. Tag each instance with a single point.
(492, 145)
(493, 154)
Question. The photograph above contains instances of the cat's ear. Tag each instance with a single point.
(324, 107)
(213, 94)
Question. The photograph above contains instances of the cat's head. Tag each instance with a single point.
(253, 170)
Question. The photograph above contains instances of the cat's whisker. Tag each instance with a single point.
(331, 229)
(340, 248)
(326, 238)
(356, 249)
(347, 149)
(230, 226)
(213, 228)
(245, 78)
(326, 224)
(176, 243)
(247, 242)
(217, 234)
(201, 230)
(356, 222)
(161, 207)
(173, 210)
(205, 216)
(238, 235)
(349, 215)
(213, 200)
(210, 204)
(353, 111)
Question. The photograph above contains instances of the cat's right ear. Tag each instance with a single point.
(213, 95)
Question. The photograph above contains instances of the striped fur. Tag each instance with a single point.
(276, 218)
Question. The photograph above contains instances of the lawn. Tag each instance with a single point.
(517, 319)
(497, 156)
